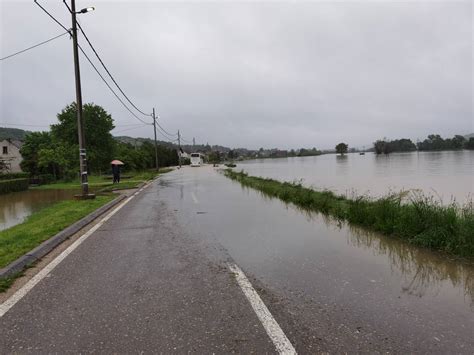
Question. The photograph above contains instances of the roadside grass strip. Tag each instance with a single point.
(421, 220)
(279, 339)
(104, 182)
(42, 225)
(23, 291)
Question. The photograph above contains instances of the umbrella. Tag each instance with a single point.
(116, 162)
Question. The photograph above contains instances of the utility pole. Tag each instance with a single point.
(156, 145)
(194, 142)
(179, 149)
(80, 119)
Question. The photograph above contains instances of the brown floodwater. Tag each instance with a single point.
(362, 280)
(445, 176)
(15, 207)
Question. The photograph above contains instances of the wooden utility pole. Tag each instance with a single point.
(156, 144)
(80, 119)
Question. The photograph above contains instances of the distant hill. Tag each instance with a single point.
(139, 141)
(467, 136)
(12, 133)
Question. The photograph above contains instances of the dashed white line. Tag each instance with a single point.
(23, 291)
(193, 196)
(279, 339)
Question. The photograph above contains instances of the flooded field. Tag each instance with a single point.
(444, 175)
(16, 206)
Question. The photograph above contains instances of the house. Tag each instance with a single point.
(10, 155)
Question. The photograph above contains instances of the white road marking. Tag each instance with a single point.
(22, 292)
(279, 339)
(194, 198)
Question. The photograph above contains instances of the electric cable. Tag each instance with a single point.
(34, 46)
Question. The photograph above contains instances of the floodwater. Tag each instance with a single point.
(444, 175)
(348, 286)
(15, 207)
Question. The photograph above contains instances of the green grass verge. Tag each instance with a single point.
(42, 225)
(421, 220)
(104, 183)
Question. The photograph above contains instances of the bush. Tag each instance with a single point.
(13, 185)
(11, 176)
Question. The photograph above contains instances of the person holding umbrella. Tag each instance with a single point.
(116, 170)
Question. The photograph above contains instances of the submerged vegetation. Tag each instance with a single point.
(419, 219)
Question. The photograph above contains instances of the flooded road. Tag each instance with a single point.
(342, 288)
(16, 206)
(445, 175)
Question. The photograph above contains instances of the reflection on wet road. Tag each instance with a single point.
(352, 290)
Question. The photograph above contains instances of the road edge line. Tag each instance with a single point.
(48, 245)
(23, 291)
(274, 331)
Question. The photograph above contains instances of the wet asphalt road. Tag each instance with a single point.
(154, 279)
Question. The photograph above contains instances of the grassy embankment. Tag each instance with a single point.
(105, 183)
(421, 220)
(42, 225)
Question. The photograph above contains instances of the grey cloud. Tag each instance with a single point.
(286, 74)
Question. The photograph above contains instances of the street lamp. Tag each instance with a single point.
(80, 121)
(87, 9)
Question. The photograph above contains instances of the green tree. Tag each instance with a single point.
(33, 143)
(215, 157)
(57, 161)
(458, 142)
(469, 144)
(341, 148)
(97, 126)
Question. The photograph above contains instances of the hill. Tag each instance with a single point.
(12, 133)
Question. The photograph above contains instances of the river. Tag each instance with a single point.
(446, 176)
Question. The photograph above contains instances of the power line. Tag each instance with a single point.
(165, 131)
(130, 129)
(54, 19)
(110, 88)
(34, 46)
(91, 63)
(185, 140)
(104, 66)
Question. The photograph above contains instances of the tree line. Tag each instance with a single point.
(56, 153)
(432, 143)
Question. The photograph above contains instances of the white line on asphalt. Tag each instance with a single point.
(194, 198)
(279, 339)
(22, 292)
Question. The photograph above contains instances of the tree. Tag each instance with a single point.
(97, 126)
(215, 157)
(34, 142)
(341, 148)
(469, 144)
(57, 161)
(458, 142)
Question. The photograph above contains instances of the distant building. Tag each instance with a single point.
(183, 154)
(10, 155)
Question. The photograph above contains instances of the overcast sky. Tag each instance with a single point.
(247, 74)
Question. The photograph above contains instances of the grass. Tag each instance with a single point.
(104, 183)
(420, 220)
(42, 225)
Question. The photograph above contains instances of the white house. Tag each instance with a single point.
(10, 154)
